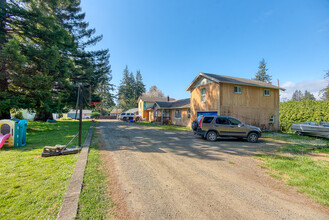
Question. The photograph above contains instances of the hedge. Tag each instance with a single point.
(305, 110)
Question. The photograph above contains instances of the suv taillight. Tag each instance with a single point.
(200, 122)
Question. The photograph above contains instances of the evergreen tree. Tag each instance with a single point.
(140, 87)
(43, 56)
(308, 96)
(262, 75)
(127, 90)
(297, 96)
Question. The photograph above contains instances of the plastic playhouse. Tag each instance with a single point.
(13, 132)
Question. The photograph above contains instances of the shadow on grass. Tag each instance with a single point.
(41, 134)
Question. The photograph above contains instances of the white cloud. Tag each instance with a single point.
(313, 86)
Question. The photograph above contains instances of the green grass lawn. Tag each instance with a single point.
(163, 127)
(31, 186)
(298, 144)
(94, 202)
(293, 164)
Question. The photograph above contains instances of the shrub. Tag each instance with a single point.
(18, 115)
(95, 114)
(305, 110)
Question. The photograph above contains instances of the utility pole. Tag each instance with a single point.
(80, 115)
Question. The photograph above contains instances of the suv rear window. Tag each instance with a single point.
(207, 120)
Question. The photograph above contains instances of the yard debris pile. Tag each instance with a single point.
(58, 150)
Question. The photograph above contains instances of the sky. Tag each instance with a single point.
(171, 41)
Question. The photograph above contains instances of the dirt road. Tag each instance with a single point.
(174, 175)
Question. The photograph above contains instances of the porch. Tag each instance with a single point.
(162, 116)
(162, 120)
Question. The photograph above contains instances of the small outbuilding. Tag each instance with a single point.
(85, 113)
(116, 112)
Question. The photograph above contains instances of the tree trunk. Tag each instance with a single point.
(5, 109)
(43, 116)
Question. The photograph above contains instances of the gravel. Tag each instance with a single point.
(176, 175)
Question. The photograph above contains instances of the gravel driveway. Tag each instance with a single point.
(159, 174)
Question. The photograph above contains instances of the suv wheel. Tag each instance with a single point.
(211, 136)
(253, 137)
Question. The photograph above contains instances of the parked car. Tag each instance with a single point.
(126, 116)
(211, 127)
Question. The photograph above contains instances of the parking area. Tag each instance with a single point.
(176, 175)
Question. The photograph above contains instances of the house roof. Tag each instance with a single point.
(84, 111)
(182, 103)
(232, 80)
(133, 110)
(116, 111)
(154, 99)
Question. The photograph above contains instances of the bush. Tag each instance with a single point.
(95, 115)
(305, 110)
(18, 115)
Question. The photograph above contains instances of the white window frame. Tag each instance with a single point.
(272, 119)
(180, 114)
(188, 113)
(239, 90)
(203, 96)
(269, 92)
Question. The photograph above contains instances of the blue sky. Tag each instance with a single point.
(171, 41)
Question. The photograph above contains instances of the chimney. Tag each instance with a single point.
(168, 99)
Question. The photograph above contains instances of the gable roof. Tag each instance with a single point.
(232, 80)
(116, 111)
(154, 99)
(132, 110)
(181, 103)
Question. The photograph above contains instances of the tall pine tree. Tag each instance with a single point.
(262, 75)
(130, 89)
(43, 56)
(140, 86)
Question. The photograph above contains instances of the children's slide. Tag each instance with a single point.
(3, 138)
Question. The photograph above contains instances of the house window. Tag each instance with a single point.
(156, 113)
(267, 92)
(237, 89)
(203, 95)
(189, 113)
(271, 119)
(178, 114)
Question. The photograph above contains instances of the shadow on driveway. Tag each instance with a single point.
(125, 136)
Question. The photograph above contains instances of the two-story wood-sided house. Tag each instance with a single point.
(145, 102)
(253, 102)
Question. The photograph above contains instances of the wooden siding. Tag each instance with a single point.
(183, 121)
(211, 103)
(251, 106)
(141, 108)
